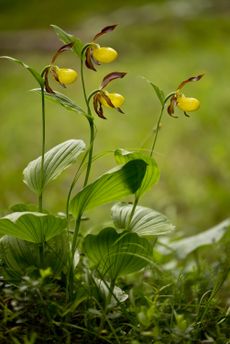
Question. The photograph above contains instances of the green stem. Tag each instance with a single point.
(75, 179)
(76, 232)
(157, 130)
(90, 152)
(132, 211)
(159, 122)
(70, 275)
(83, 83)
(90, 120)
(40, 200)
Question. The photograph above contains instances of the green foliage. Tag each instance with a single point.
(152, 172)
(160, 94)
(67, 38)
(56, 160)
(114, 184)
(31, 226)
(145, 221)
(63, 100)
(115, 254)
(21, 257)
(34, 73)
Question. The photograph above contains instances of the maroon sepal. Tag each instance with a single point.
(193, 78)
(61, 50)
(112, 76)
(105, 30)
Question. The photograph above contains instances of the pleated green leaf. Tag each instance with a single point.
(152, 171)
(34, 73)
(116, 254)
(56, 160)
(145, 221)
(32, 226)
(69, 38)
(184, 247)
(18, 256)
(114, 184)
(61, 99)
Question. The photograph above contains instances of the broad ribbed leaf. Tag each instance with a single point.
(112, 185)
(32, 226)
(35, 74)
(152, 172)
(69, 38)
(61, 99)
(18, 255)
(116, 254)
(187, 245)
(56, 161)
(145, 221)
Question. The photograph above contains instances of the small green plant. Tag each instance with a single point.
(46, 254)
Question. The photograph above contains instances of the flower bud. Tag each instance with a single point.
(66, 76)
(104, 54)
(187, 104)
(116, 99)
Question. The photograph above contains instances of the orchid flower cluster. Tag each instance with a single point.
(94, 55)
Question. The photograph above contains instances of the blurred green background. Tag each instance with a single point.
(163, 41)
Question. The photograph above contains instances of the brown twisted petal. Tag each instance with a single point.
(172, 105)
(46, 82)
(112, 76)
(98, 106)
(88, 59)
(193, 78)
(105, 30)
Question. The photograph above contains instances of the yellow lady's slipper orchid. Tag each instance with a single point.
(187, 104)
(103, 98)
(104, 54)
(116, 99)
(66, 76)
(95, 54)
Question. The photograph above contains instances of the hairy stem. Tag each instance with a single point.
(157, 130)
(159, 122)
(91, 124)
(40, 199)
(90, 152)
(135, 203)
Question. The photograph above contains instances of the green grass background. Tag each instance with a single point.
(164, 41)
